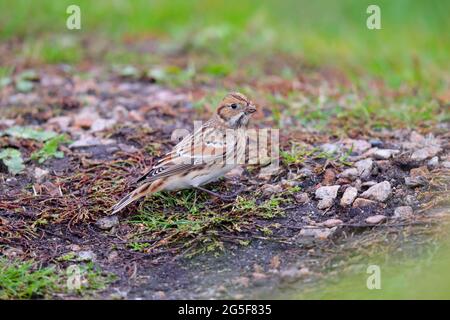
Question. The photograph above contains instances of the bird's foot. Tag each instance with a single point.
(225, 198)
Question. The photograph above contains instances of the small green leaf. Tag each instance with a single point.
(24, 85)
(50, 149)
(12, 158)
(30, 75)
(158, 74)
(4, 81)
(59, 154)
(129, 72)
(29, 133)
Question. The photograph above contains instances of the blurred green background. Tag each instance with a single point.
(413, 44)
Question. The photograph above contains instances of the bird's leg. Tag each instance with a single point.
(215, 194)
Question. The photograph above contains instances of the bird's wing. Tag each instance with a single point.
(194, 151)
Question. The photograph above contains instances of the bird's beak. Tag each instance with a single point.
(250, 109)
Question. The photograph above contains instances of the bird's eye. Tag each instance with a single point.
(234, 106)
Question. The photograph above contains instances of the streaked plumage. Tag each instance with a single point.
(200, 157)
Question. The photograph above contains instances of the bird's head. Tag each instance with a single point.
(235, 110)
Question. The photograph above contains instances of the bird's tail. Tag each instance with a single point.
(138, 193)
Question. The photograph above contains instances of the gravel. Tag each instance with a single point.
(379, 192)
(403, 212)
(425, 153)
(326, 195)
(376, 219)
(384, 154)
(331, 223)
(327, 192)
(364, 167)
(361, 203)
(107, 223)
(351, 173)
(349, 196)
(301, 197)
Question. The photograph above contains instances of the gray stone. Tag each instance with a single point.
(379, 192)
(349, 196)
(88, 141)
(63, 122)
(357, 184)
(331, 223)
(305, 172)
(301, 197)
(7, 122)
(327, 192)
(40, 174)
(357, 146)
(87, 255)
(107, 223)
(425, 153)
(351, 173)
(415, 181)
(416, 137)
(326, 195)
(102, 124)
(403, 212)
(384, 154)
(330, 147)
(267, 173)
(376, 219)
(85, 118)
(364, 167)
(325, 203)
(433, 162)
(417, 177)
(269, 189)
(410, 199)
(361, 203)
(127, 148)
(446, 164)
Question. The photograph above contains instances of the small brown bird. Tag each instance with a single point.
(201, 157)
